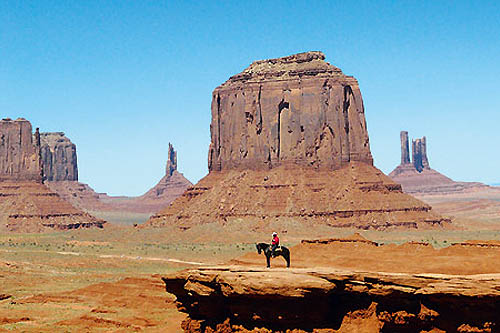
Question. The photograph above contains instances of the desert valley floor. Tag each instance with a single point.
(82, 280)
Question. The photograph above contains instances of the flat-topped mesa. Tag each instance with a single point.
(171, 160)
(59, 159)
(20, 153)
(292, 110)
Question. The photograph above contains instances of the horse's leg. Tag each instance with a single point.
(268, 259)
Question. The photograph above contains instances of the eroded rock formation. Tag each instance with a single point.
(405, 152)
(171, 161)
(419, 154)
(25, 203)
(59, 161)
(171, 186)
(20, 154)
(297, 109)
(289, 143)
(339, 286)
(417, 177)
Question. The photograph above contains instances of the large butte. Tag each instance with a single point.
(289, 151)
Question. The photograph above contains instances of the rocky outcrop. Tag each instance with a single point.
(417, 177)
(297, 109)
(236, 299)
(405, 152)
(350, 285)
(419, 154)
(171, 161)
(172, 185)
(33, 207)
(25, 203)
(59, 160)
(20, 154)
(289, 143)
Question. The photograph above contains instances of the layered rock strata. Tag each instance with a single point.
(347, 285)
(33, 207)
(59, 159)
(356, 196)
(25, 203)
(239, 299)
(417, 177)
(289, 142)
(20, 154)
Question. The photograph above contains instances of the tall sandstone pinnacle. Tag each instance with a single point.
(25, 203)
(417, 177)
(59, 161)
(290, 151)
(405, 149)
(171, 186)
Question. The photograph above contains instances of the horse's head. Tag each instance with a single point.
(258, 248)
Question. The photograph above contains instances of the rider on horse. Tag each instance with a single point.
(275, 243)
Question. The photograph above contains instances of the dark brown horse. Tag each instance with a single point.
(281, 251)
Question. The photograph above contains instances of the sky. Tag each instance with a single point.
(122, 79)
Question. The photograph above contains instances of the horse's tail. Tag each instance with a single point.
(286, 255)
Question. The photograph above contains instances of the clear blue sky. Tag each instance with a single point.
(124, 78)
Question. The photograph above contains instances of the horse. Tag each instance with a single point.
(280, 251)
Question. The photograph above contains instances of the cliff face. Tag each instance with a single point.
(347, 285)
(20, 154)
(25, 203)
(59, 160)
(297, 109)
(289, 146)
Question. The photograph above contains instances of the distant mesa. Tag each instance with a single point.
(417, 177)
(63, 168)
(27, 204)
(289, 146)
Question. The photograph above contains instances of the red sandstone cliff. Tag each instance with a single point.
(297, 109)
(58, 157)
(25, 203)
(289, 145)
(20, 154)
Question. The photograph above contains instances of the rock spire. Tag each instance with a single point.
(171, 160)
(416, 176)
(405, 149)
(419, 154)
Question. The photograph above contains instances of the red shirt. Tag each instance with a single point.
(276, 240)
